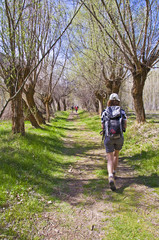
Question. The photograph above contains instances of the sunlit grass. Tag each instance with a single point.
(35, 164)
(141, 147)
(31, 166)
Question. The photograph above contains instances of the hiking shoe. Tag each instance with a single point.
(112, 183)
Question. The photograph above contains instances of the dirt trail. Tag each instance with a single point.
(86, 200)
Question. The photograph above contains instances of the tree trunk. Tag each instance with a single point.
(17, 113)
(137, 93)
(99, 96)
(96, 104)
(53, 106)
(101, 107)
(58, 104)
(47, 111)
(113, 86)
(64, 104)
(30, 116)
(31, 103)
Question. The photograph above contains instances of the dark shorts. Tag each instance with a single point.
(113, 144)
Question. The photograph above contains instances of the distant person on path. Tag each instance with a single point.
(76, 108)
(72, 108)
(114, 123)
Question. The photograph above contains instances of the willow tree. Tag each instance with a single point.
(136, 24)
(19, 47)
(95, 58)
(50, 16)
(12, 69)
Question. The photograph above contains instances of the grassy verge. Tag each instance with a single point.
(30, 167)
(141, 146)
(133, 212)
(141, 150)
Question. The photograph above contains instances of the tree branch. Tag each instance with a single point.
(52, 46)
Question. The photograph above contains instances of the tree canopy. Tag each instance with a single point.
(59, 47)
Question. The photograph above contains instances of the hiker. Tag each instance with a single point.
(72, 108)
(113, 124)
(76, 108)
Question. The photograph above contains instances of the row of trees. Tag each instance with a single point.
(119, 38)
(29, 31)
(43, 59)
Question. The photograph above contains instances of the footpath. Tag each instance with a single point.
(87, 209)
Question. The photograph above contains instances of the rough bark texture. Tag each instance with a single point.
(29, 92)
(96, 105)
(16, 106)
(139, 79)
(30, 116)
(113, 81)
(47, 111)
(113, 86)
(17, 113)
(64, 104)
(101, 96)
(58, 104)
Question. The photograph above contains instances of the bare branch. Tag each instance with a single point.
(111, 37)
(48, 51)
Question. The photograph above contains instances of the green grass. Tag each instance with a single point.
(129, 226)
(141, 150)
(141, 146)
(132, 212)
(93, 121)
(34, 165)
(31, 166)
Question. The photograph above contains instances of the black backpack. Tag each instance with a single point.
(114, 122)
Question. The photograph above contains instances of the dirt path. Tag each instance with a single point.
(86, 203)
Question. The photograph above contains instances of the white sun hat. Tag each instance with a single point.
(114, 96)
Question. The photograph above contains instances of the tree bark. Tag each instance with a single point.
(17, 113)
(58, 104)
(29, 92)
(53, 106)
(30, 116)
(47, 111)
(64, 104)
(96, 104)
(100, 98)
(113, 86)
(139, 78)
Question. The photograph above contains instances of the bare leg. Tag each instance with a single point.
(115, 159)
(110, 168)
(110, 163)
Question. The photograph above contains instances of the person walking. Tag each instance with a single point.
(114, 123)
(76, 108)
